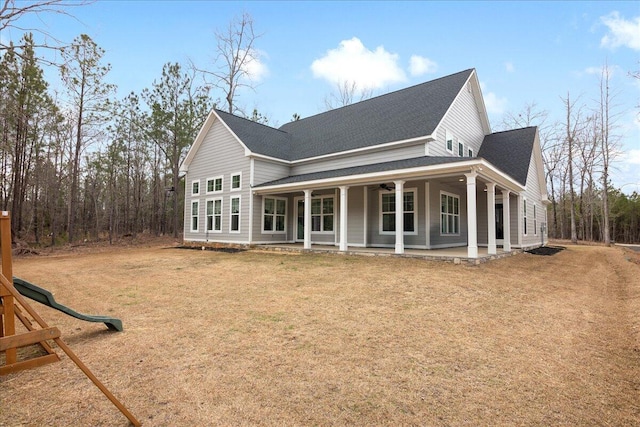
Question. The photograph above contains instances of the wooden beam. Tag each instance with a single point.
(28, 338)
(28, 364)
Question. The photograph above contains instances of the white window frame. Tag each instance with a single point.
(535, 221)
(415, 211)
(524, 217)
(322, 214)
(213, 215)
(195, 182)
(274, 215)
(470, 151)
(221, 178)
(195, 216)
(449, 137)
(231, 214)
(456, 216)
(239, 175)
(460, 148)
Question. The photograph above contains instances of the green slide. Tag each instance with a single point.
(45, 297)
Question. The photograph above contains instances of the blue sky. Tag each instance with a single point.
(524, 52)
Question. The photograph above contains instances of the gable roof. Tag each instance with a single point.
(416, 112)
(510, 151)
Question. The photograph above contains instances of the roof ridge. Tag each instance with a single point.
(513, 130)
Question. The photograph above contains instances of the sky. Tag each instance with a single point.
(523, 52)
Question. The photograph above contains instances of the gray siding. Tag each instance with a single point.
(438, 240)
(360, 159)
(533, 195)
(463, 121)
(219, 155)
(266, 171)
(355, 205)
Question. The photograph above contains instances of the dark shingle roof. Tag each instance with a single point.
(408, 113)
(258, 137)
(364, 169)
(510, 151)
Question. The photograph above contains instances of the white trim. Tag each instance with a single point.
(365, 220)
(195, 181)
(231, 189)
(252, 166)
(455, 196)
(469, 151)
(214, 179)
(535, 220)
(460, 150)
(525, 217)
(344, 192)
(206, 215)
(231, 214)
(262, 215)
(413, 190)
(449, 136)
(196, 216)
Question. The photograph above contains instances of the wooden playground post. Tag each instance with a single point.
(8, 326)
(9, 341)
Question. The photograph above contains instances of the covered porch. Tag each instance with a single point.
(444, 206)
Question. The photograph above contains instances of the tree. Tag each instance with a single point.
(178, 110)
(347, 92)
(83, 76)
(235, 57)
(12, 11)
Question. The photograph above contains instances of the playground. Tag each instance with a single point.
(264, 338)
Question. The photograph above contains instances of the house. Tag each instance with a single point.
(415, 168)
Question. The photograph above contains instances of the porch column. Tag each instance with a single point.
(491, 218)
(343, 217)
(506, 221)
(472, 216)
(307, 219)
(399, 216)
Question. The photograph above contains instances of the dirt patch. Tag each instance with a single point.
(228, 250)
(546, 250)
(258, 338)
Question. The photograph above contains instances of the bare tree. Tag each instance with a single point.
(347, 92)
(11, 11)
(235, 55)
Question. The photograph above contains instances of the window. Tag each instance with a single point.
(470, 152)
(449, 214)
(535, 221)
(460, 149)
(524, 211)
(388, 212)
(235, 215)
(449, 139)
(195, 188)
(322, 214)
(195, 206)
(214, 185)
(214, 215)
(236, 181)
(274, 214)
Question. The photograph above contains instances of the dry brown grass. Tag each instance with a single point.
(275, 339)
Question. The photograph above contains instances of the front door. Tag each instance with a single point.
(499, 222)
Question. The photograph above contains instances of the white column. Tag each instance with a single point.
(427, 214)
(399, 216)
(491, 218)
(506, 221)
(365, 219)
(307, 219)
(472, 218)
(343, 217)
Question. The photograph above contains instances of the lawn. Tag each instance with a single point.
(263, 338)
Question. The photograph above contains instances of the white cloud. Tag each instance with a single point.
(495, 105)
(633, 157)
(419, 65)
(351, 61)
(255, 68)
(622, 32)
(509, 67)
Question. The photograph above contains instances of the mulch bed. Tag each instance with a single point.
(546, 250)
